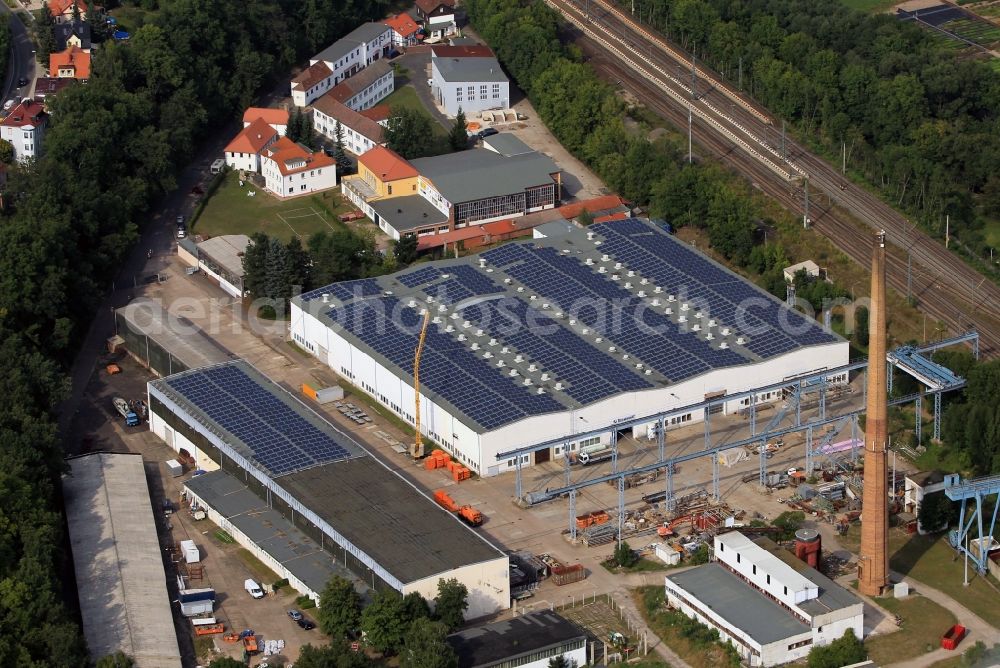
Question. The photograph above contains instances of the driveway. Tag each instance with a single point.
(418, 64)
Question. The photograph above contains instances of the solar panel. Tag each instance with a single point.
(772, 328)
(412, 279)
(447, 366)
(279, 438)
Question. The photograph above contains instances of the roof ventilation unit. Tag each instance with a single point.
(585, 330)
(602, 270)
(589, 262)
(605, 258)
(514, 373)
(479, 332)
(683, 318)
(723, 345)
(442, 308)
(540, 390)
(590, 236)
(412, 303)
(532, 367)
(598, 242)
(559, 386)
(711, 322)
(508, 281)
(545, 305)
(696, 328)
(671, 298)
(642, 293)
(493, 341)
(545, 376)
(520, 288)
(500, 363)
(533, 297)
(454, 315)
(657, 289)
(489, 270)
(612, 349)
(519, 357)
(725, 331)
(466, 324)
(644, 281)
(326, 297)
(740, 340)
(709, 336)
(615, 277)
(618, 265)
(436, 320)
(598, 339)
(430, 299)
(474, 346)
(625, 356)
(559, 314)
(668, 311)
(572, 321)
(449, 329)
(699, 314)
(482, 263)
(461, 337)
(685, 306)
(631, 273)
(647, 372)
(639, 365)
(527, 381)
(628, 285)
(505, 350)
(656, 301)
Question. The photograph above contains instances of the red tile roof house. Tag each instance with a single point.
(24, 128)
(404, 30)
(291, 169)
(62, 10)
(73, 63)
(244, 151)
(276, 118)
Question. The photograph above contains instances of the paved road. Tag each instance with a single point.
(22, 56)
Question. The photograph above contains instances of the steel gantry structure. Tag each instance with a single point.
(977, 489)
(798, 387)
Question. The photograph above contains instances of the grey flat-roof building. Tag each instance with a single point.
(530, 640)
(230, 417)
(472, 84)
(118, 561)
(772, 607)
(407, 213)
(219, 257)
(162, 341)
(506, 144)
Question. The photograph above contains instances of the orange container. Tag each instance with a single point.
(431, 463)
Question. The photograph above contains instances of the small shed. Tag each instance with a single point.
(811, 268)
(175, 467)
(667, 554)
(190, 552)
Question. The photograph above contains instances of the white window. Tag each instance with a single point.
(482, 90)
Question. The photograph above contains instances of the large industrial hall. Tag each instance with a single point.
(264, 451)
(536, 341)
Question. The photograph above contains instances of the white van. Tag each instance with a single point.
(217, 165)
(253, 588)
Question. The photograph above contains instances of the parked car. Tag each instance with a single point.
(253, 588)
(488, 132)
(181, 231)
(295, 615)
(22, 82)
(305, 624)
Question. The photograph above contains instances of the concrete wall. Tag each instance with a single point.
(488, 584)
(478, 451)
(831, 626)
(246, 161)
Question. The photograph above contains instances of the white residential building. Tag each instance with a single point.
(471, 84)
(276, 118)
(366, 88)
(342, 59)
(245, 150)
(438, 17)
(358, 132)
(772, 607)
(24, 129)
(290, 169)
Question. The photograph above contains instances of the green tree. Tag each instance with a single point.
(227, 662)
(561, 661)
(341, 255)
(339, 611)
(409, 133)
(384, 622)
(294, 129)
(117, 660)
(6, 152)
(585, 218)
(334, 655)
(425, 646)
(255, 265)
(405, 249)
(936, 512)
(45, 35)
(860, 335)
(299, 264)
(458, 137)
(451, 603)
(700, 555)
(624, 556)
(344, 164)
(307, 136)
(415, 606)
(841, 652)
(789, 522)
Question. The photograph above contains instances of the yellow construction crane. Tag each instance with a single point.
(418, 443)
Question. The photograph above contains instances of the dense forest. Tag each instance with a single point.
(115, 145)
(920, 121)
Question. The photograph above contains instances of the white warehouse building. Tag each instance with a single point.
(308, 500)
(531, 341)
(772, 607)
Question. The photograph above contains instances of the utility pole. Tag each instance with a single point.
(690, 158)
(694, 78)
(805, 216)
(843, 166)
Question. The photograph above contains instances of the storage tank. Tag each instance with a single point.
(808, 546)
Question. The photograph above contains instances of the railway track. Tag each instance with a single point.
(738, 132)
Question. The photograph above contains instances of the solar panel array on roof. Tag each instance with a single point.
(588, 373)
(412, 279)
(280, 439)
(638, 331)
(772, 328)
(345, 291)
(447, 366)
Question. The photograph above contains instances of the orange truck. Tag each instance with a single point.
(467, 514)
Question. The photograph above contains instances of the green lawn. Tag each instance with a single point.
(131, 18)
(406, 97)
(923, 623)
(992, 230)
(230, 211)
(870, 6)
